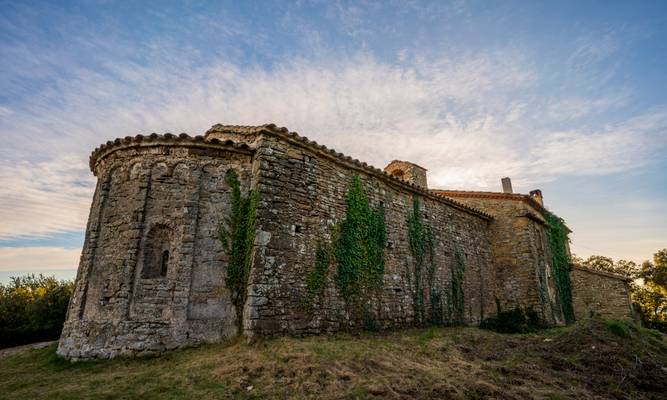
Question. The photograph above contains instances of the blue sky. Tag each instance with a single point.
(568, 97)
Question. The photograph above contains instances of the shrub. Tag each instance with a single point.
(516, 320)
(32, 309)
(618, 328)
(657, 325)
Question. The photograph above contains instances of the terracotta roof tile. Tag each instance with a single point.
(155, 140)
(284, 133)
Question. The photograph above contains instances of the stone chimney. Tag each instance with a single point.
(507, 185)
(407, 171)
(537, 196)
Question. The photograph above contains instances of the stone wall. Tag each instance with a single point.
(151, 275)
(600, 293)
(520, 252)
(302, 192)
(152, 272)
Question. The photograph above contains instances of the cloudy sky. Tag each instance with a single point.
(568, 97)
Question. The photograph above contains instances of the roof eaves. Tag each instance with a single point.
(603, 273)
(496, 195)
(295, 138)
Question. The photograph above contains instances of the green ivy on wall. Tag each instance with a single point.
(422, 277)
(557, 236)
(458, 299)
(317, 276)
(237, 235)
(359, 248)
(542, 286)
(420, 238)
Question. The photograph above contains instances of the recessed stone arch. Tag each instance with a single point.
(157, 252)
(160, 170)
(181, 171)
(118, 174)
(136, 170)
(400, 174)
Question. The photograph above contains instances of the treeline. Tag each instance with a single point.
(648, 287)
(32, 309)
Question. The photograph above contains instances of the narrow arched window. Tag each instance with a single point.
(164, 263)
(400, 174)
(156, 249)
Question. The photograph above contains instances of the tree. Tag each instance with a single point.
(655, 273)
(32, 309)
(651, 298)
(652, 304)
(607, 264)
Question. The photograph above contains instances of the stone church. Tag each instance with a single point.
(155, 275)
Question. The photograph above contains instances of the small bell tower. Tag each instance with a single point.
(407, 171)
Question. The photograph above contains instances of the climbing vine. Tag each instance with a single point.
(420, 238)
(359, 248)
(557, 236)
(542, 285)
(316, 277)
(237, 235)
(457, 297)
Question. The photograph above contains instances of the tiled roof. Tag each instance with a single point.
(297, 139)
(281, 132)
(491, 195)
(603, 273)
(405, 162)
(494, 195)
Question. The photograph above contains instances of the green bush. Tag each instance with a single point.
(33, 309)
(657, 325)
(618, 328)
(517, 320)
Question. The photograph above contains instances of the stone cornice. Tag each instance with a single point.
(167, 139)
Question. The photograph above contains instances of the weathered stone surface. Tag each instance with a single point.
(310, 194)
(520, 251)
(408, 172)
(152, 271)
(151, 275)
(600, 293)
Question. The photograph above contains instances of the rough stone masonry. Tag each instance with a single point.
(152, 274)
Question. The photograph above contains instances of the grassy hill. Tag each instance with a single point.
(593, 360)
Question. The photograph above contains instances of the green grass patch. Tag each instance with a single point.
(453, 362)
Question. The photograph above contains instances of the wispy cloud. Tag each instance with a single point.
(604, 150)
(577, 107)
(469, 114)
(593, 48)
(466, 117)
(39, 259)
(42, 198)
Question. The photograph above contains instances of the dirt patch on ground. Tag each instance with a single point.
(592, 360)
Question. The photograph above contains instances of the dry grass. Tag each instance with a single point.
(591, 360)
